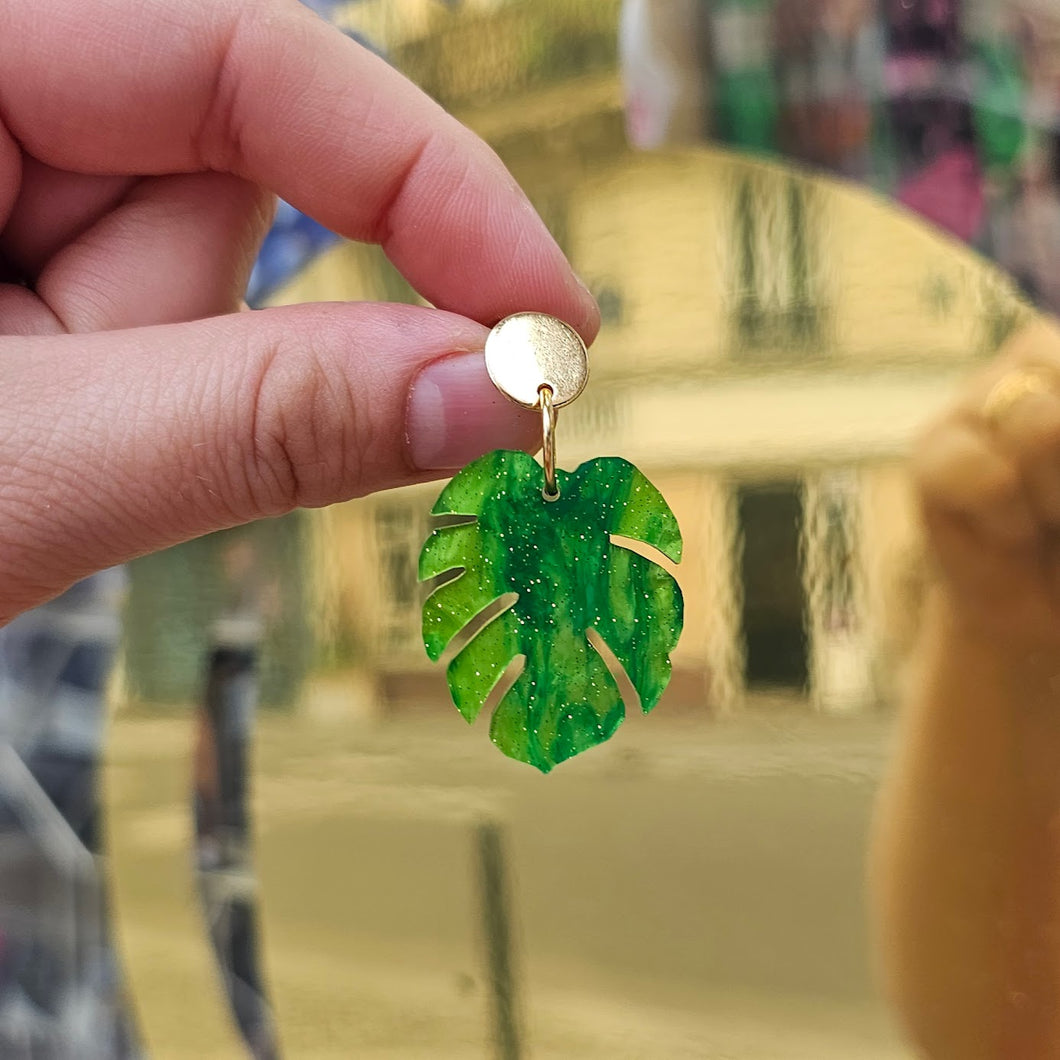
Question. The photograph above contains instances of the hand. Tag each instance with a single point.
(988, 474)
(964, 874)
(140, 144)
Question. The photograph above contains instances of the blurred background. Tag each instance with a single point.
(239, 815)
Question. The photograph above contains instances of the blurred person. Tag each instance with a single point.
(665, 94)
(54, 666)
(229, 702)
(224, 725)
(950, 108)
(55, 662)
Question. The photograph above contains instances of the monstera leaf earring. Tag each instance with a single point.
(533, 568)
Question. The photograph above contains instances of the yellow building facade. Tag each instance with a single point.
(771, 343)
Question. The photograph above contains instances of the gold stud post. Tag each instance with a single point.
(540, 363)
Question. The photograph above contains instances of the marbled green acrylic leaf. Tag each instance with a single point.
(569, 577)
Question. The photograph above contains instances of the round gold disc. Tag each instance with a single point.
(527, 351)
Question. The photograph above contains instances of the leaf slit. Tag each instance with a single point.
(432, 585)
(494, 609)
(512, 672)
(446, 519)
(642, 548)
(626, 688)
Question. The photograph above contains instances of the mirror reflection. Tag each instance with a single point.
(810, 228)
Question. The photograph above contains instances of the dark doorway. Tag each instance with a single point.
(774, 597)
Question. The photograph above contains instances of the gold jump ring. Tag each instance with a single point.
(549, 416)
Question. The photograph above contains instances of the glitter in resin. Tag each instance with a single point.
(557, 556)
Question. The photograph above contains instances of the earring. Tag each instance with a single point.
(532, 570)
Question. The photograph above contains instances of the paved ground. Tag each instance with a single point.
(687, 891)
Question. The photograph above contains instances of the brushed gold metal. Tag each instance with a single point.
(528, 351)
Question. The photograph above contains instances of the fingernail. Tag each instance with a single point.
(455, 414)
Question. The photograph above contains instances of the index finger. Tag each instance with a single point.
(266, 90)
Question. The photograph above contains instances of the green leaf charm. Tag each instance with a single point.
(558, 557)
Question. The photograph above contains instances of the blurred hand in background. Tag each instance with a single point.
(966, 864)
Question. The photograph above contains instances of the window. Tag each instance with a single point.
(399, 533)
(777, 309)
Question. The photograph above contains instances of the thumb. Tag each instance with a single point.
(114, 444)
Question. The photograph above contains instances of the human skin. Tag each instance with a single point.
(965, 867)
(141, 145)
